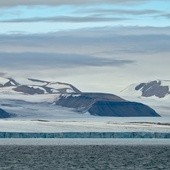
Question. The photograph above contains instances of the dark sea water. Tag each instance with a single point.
(85, 157)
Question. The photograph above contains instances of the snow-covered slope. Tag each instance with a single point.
(154, 93)
(33, 90)
(159, 89)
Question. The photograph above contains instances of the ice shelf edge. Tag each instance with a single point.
(158, 135)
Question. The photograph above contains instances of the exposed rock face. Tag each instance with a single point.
(153, 88)
(11, 82)
(29, 90)
(158, 88)
(104, 105)
(7, 82)
(83, 101)
(34, 86)
(4, 114)
(121, 109)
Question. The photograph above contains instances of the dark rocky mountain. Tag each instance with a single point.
(35, 86)
(83, 101)
(153, 88)
(4, 114)
(101, 104)
(7, 82)
(121, 109)
(29, 89)
(157, 88)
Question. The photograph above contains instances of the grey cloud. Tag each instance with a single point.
(55, 60)
(136, 12)
(165, 16)
(121, 11)
(98, 15)
(10, 3)
(2, 74)
(65, 19)
(90, 41)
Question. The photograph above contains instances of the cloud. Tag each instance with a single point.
(65, 19)
(97, 15)
(2, 74)
(55, 60)
(10, 3)
(167, 16)
(121, 11)
(94, 41)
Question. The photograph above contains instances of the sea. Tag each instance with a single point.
(85, 157)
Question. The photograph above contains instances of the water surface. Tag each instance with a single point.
(117, 157)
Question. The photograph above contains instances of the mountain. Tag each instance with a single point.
(4, 114)
(101, 104)
(35, 86)
(158, 89)
(83, 101)
(121, 109)
(16, 94)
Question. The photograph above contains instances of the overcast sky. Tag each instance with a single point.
(97, 45)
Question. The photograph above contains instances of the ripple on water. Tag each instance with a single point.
(85, 157)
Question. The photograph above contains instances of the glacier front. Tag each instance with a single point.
(86, 135)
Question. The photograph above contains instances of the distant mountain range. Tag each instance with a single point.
(34, 86)
(159, 89)
(66, 95)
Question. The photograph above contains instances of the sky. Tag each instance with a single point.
(97, 45)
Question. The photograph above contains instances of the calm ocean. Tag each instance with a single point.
(85, 157)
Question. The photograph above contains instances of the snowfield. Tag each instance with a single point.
(45, 117)
(85, 125)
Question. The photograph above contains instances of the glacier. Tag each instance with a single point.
(158, 135)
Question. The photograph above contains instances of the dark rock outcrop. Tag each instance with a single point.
(82, 102)
(4, 114)
(28, 90)
(61, 90)
(102, 104)
(121, 109)
(36, 86)
(153, 88)
(70, 87)
(11, 82)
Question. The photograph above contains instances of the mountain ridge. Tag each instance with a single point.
(67, 95)
(156, 88)
(36, 86)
